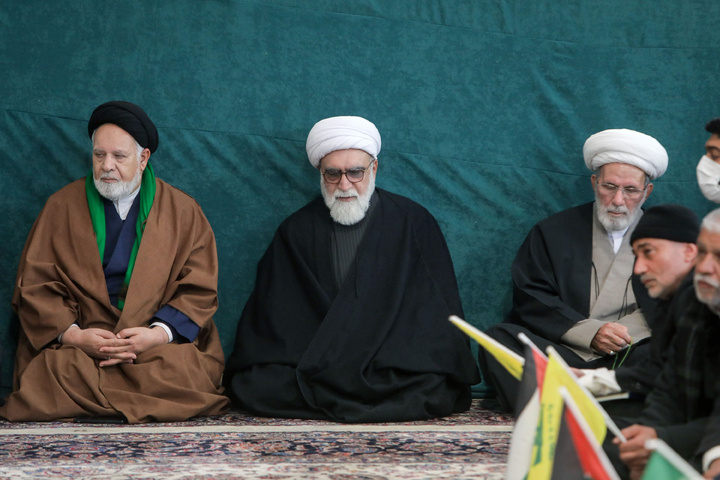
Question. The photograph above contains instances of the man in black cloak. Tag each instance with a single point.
(573, 285)
(348, 320)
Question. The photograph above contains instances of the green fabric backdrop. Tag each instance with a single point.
(483, 107)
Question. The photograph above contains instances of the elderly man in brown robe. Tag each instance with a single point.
(115, 292)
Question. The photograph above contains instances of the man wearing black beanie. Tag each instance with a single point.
(683, 408)
(664, 246)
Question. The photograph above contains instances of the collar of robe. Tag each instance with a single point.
(97, 215)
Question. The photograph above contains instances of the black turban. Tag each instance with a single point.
(130, 118)
(669, 222)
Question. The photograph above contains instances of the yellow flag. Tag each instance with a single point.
(559, 375)
(512, 362)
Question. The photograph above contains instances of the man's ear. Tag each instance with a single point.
(144, 157)
(648, 190)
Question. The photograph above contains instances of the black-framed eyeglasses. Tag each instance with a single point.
(354, 175)
(610, 189)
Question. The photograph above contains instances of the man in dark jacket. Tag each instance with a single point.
(681, 408)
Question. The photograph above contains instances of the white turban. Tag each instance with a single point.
(626, 146)
(341, 133)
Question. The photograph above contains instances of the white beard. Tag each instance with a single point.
(348, 212)
(616, 224)
(713, 302)
(116, 191)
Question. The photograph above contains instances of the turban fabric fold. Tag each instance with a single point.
(626, 146)
(342, 133)
(130, 118)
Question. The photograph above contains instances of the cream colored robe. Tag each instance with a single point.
(611, 298)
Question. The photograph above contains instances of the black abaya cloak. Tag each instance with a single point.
(551, 275)
(379, 349)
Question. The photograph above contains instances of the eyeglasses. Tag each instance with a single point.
(610, 189)
(354, 175)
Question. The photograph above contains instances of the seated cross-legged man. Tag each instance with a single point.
(348, 320)
(573, 284)
(116, 290)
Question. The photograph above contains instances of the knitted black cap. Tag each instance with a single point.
(669, 222)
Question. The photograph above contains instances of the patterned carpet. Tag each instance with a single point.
(469, 445)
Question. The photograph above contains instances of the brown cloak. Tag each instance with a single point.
(60, 281)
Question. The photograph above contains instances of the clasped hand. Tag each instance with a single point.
(113, 349)
(633, 452)
(611, 338)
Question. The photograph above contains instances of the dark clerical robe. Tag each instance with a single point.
(61, 281)
(552, 284)
(378, 348)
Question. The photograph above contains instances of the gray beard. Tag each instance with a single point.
(348, 212)
(612, 224)
(712, 303)
(118, 190)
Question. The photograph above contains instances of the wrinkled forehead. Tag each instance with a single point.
(346, 159)
(713, 142)
(111, 137)
(652, 242)
(622, 174)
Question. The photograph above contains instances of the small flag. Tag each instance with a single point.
(666, 464)
(527, 410)
(512, 362)
(559, 374)
(578, 453)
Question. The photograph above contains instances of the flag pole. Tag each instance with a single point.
(480, 336)
(570, 404)
(608, 421)
(677, 461)
(524, 338)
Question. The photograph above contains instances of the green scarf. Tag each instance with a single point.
(97, 215)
